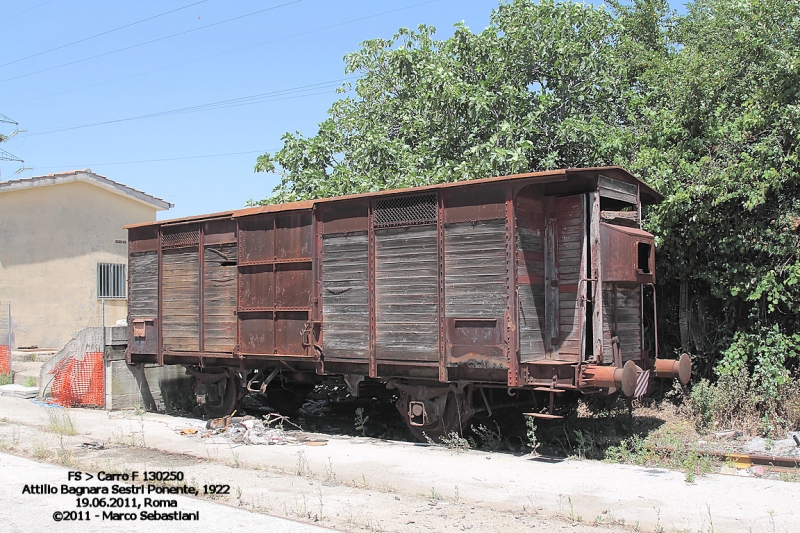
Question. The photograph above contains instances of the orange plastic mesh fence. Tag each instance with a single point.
(5, 360)
(79, 381)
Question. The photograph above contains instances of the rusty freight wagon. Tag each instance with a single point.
(526, 282)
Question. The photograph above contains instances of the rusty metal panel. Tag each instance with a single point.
(618, 190)
(256, 287)
(219, 301)
(180, 295)
(219, 231)
(530, 278)
(293, 283)
(293, 235)
(469, 204)
(622, 317)
(407, 294)
(345, 296)
(256, 239)
(475, 269)
(144, 239)
(289, 327)
(345, 217)
(620, 254)
(257, 333)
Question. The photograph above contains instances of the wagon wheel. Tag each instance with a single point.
(229, 399)
(453, 420)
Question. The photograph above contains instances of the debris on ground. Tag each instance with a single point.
(94, 445)
(244, 430)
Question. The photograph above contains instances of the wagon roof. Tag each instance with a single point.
(649, 195)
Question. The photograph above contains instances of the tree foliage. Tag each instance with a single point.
(704, 107)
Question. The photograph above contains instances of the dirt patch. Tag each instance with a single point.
(322, 496)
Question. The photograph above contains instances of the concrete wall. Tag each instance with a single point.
(154, 388)
(51, 239)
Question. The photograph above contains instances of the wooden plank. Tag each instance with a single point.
(180, 295)
(219, 301)
(475, 276)
(406, 272)
(618, 190)
(345, 296)
(143, 300)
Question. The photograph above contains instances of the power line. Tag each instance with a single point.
(151, 41)
(99, 34)
(353, 21)
(283, 94)
(29, 9)
(205, 156)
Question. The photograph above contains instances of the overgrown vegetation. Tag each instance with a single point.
(735, 402)
(59, 421)
(705, 107)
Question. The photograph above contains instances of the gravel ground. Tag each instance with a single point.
(364, 484)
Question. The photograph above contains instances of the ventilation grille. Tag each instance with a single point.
(406, 211)
(180, 239)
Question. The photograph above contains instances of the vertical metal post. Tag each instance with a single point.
(103, 324)
(103, 345)
(10, 359)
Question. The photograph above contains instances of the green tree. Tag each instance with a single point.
(704, 107)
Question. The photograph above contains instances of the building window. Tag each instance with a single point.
(111, 281)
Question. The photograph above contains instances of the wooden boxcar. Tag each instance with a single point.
(532, 281)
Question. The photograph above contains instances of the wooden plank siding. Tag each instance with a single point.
(407, 294)
(622, 318)
(530, 278)
(572, 269)
(143, 300)
(219, 297)
(475, 269)
(181, 299)
(345, 296)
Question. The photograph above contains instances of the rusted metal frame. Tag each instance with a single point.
(236, 340)
(159, 326)
(641, 287)
(274, 284)
(582, 275)
(272, 358)
(551, 289)
(397, 362)
(239, 265)
(201, 287)
(128, 348)
(596, 269)
(655, 320)
(277, 261)
(443, 374)
(615, 331)
(373, 361)
(512, 304)
(208, 355)
(316, 293)
(270, 309)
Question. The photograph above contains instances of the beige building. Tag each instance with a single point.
(63, 250)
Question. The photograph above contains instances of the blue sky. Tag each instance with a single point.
(268, 66)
